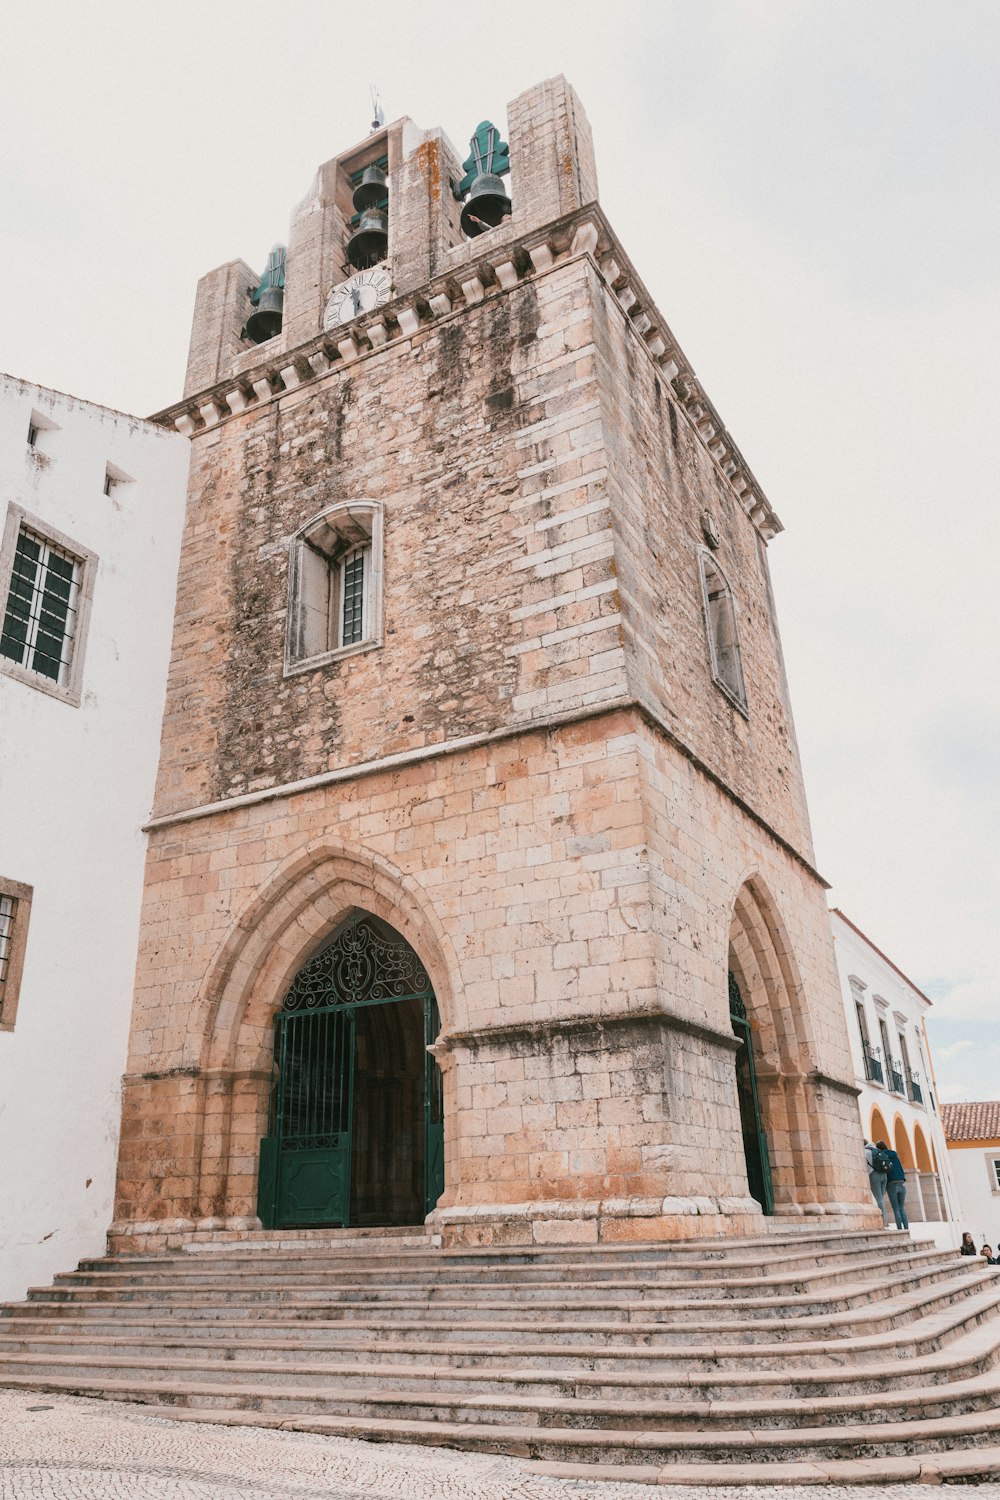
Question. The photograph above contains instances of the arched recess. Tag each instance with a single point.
(764, 967)
(921, 1151)
(901, 1144)
(277, 932)
(879, 1129)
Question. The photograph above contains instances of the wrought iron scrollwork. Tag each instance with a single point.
(360, 964)
(736, 1006)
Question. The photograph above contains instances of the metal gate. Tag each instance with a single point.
(754, 1136)
(305, 1159)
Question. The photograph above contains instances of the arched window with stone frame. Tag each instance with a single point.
(723, 639)
(335, 585)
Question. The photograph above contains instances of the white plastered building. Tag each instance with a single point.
(91, 511)
(973, 1134)
(895, 1075)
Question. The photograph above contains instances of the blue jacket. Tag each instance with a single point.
(896, 1173)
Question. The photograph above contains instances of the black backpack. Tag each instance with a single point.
(881, 1161)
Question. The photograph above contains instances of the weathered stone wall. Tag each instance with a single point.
(480, 436)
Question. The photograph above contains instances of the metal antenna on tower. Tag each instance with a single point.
(378, 114)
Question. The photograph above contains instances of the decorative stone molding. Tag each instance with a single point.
(586, 232)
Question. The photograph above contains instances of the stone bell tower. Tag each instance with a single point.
(477, 748)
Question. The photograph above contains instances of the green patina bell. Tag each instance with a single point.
(371, 190)
(268, 299)
(487, 204)
(370, 241)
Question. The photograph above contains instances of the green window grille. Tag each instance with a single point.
(40, 617)
(352, 614)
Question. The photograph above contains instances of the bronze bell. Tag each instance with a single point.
(370, 241)
(372, 188)
(265, 321)
(486, 206)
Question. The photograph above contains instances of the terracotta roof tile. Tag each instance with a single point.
(972, 1122)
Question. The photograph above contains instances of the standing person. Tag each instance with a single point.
(968, 1245)
(877, 1179)
(896, 1187)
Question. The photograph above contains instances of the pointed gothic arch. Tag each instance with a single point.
(765, 969)
(285, 923)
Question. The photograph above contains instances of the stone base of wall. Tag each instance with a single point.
(597, 1221)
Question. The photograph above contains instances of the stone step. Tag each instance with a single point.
(729, 1428)
(751, 1253)
(820, 1350)
(730, 1325)
(582, 1303)
(944, 1466)
(457, 1348)
(279, 1271)
(233, 1243)
(674, 1322)
(786, 1379)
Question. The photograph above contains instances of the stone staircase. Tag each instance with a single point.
(805, 1357)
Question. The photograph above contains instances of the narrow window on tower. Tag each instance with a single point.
(334, 586)
(723, 643)
(45, 582)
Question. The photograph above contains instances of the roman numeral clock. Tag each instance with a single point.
(363, 292)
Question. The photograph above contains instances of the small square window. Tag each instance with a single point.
(45, 583)
(38, 426)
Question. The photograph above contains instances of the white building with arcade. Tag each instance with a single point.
(892, 1065)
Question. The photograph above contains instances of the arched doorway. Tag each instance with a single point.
(754, 1137)
(355, 1133)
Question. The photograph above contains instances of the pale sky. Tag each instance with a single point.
(809, 189)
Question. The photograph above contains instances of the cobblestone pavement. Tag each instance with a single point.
(68, 1448)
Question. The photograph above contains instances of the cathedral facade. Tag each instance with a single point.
(480, 888)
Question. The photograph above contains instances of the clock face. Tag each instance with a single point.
(364, 291)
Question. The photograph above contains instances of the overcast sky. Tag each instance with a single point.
(809, 190)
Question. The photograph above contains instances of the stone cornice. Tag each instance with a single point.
(497, 269)
(561, 1025)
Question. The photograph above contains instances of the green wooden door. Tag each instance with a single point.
(754, 1137)
(305, 1160)
(305, 1172)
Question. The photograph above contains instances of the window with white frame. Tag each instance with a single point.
(723, 642)
(45, 583)
(994, 1165)
(334, 585)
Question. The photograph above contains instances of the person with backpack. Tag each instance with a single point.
(877, 1179)
(896, 1185)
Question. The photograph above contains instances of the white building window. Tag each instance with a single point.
(334, 586)
(994, 1166)
(723, 642)
(39, 622)
(45, 587)
(15, 907)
